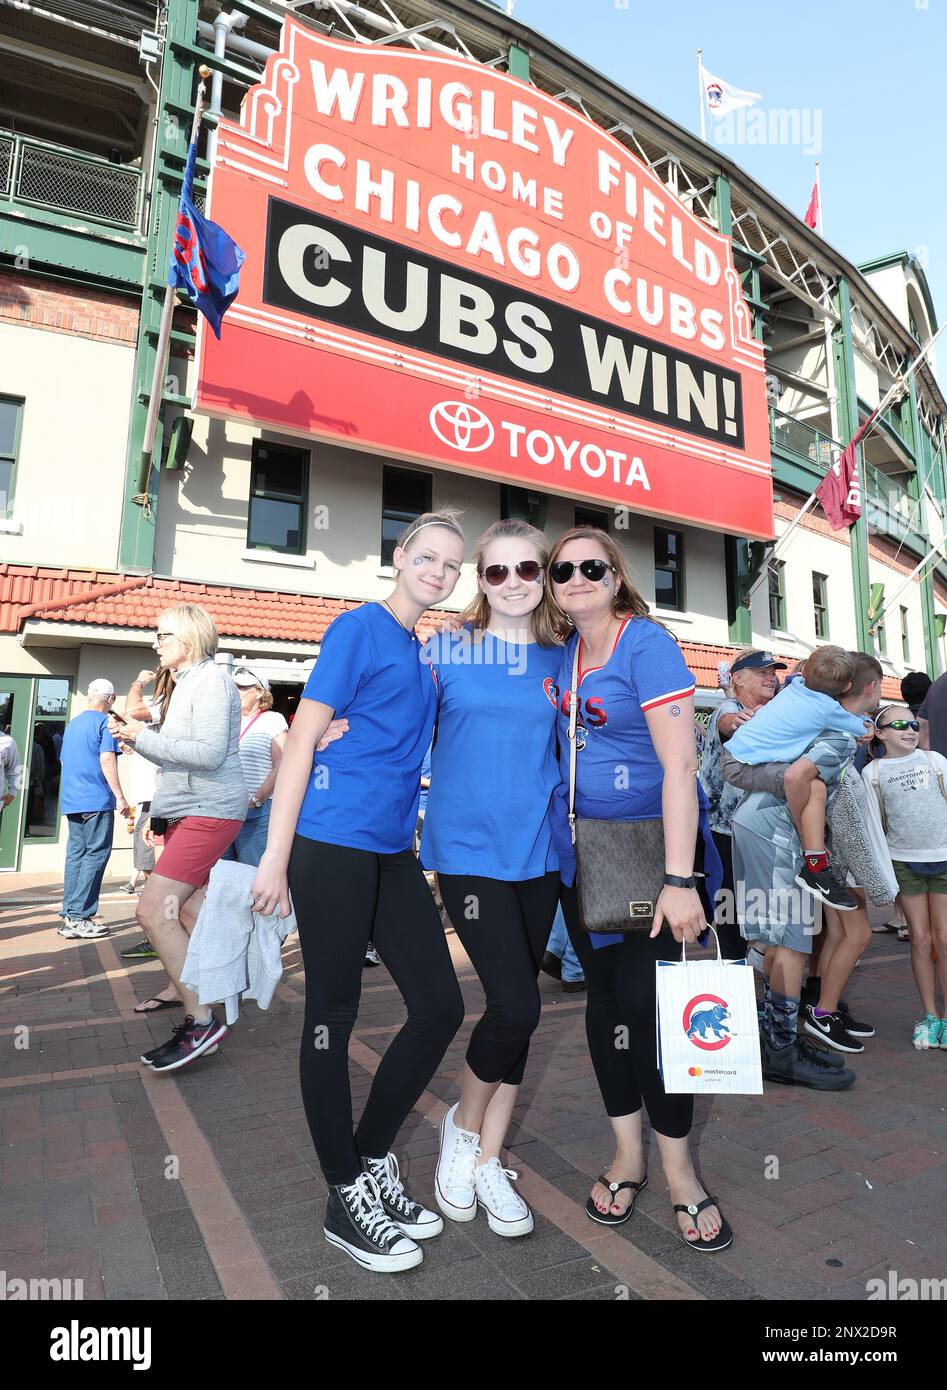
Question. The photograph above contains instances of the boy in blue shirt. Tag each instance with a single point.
(766, 754)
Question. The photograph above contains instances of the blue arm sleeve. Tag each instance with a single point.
(344, 661)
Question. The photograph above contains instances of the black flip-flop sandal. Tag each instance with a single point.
(606, 1218)
(724, 1237)
(161, 1003)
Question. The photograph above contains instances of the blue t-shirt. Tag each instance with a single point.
(618, 775)
(782, 730)
(364, 788)
(494, 767)
(82, 783)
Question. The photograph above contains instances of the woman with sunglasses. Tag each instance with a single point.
(636, 759)
(340, 837)
(909, 786)
(487, 835)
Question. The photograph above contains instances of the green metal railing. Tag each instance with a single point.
(805, 443)
(44, 175)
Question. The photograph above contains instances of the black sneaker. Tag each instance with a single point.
(852, 1025)
(371, 955)
(800, 1064)
(822, 884)
(189, 1040)
(357, 1224)
(830, 1028)
(416, 1221)
(142, 950)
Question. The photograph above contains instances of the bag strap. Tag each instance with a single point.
(874, 778)
(250, 725)
(573, 715)
(937, 773)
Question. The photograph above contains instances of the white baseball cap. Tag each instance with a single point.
(98, 690)
(244, 677)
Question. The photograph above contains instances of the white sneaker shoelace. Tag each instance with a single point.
(387, 1174)
(496, 1182)
(363, 1198)
(463, 1158)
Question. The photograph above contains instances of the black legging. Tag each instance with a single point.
(504, 928)
(343, 898)
(621, 995)
(732, 944)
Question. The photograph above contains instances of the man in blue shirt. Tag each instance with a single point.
(90, 791)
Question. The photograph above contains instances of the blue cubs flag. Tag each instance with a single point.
(205, 261)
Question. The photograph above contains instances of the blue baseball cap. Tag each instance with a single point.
(756, 661)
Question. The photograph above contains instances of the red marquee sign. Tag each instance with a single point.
(446, 265)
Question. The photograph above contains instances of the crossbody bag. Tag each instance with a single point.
(620, 864)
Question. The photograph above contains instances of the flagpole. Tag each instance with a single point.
(700, 90)
(164, 336)
(937, 549)
(894, 390)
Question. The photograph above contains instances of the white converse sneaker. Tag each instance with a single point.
(416, 1221)
(454, 1187)
(507, 1213)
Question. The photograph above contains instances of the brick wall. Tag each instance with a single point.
(86, 312)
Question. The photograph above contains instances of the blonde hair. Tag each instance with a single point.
(543, 626)
(448, 517)
(265, 700)
(194, 627)
(626, 601)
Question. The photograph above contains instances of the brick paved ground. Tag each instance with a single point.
(205, 1186)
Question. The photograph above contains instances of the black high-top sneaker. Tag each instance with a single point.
(416, 1221)
(356, 1223)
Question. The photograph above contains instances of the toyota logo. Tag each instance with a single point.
(462, 426)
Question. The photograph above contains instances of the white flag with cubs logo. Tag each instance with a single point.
(708, 1034)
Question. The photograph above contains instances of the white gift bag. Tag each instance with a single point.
(708, 1033)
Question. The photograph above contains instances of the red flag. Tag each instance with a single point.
(812, 211)
(840, 489)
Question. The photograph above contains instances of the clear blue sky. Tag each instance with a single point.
(874, 68)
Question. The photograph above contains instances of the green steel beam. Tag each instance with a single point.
(518, 65)
(90, 251)
(848, 423)
(722, 208)
(176, 90)
(910, 420)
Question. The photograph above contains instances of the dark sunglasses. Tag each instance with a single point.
(594, 570)
(901, 725)
(529, 570)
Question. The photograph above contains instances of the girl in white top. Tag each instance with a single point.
(909, 786)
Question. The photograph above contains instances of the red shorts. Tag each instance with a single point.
(192, 847)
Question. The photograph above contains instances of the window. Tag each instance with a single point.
(777, 595)
(820, 603)
(11, 411)
(523, 504)
(278, 488)
(905, 639)
(592, 516)
(405, 495)
(668, 568)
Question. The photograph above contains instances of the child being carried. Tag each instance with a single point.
(764, 755)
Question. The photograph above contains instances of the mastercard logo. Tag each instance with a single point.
(695, 1071)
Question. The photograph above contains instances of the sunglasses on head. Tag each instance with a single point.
(529, 570)
(901, 725)
(594, 570)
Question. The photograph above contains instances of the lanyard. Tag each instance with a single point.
(251, 724)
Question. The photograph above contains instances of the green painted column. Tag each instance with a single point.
(848, 424)
(176, 94)
(518, 65)
(922, 455)
(736, 550)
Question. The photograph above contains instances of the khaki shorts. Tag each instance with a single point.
(912, 883)
(764, 777)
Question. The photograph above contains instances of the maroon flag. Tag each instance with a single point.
(812, 211)
(840, 490)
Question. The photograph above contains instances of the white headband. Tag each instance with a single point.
(437, 521)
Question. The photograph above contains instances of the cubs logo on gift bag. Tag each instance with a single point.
(708, 1035)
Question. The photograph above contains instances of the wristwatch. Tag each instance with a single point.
(254, 802)
(675, 881)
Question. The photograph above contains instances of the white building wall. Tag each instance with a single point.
(71, 464)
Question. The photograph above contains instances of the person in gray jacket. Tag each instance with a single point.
(202, 798)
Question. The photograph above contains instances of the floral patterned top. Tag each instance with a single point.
(722, 798)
